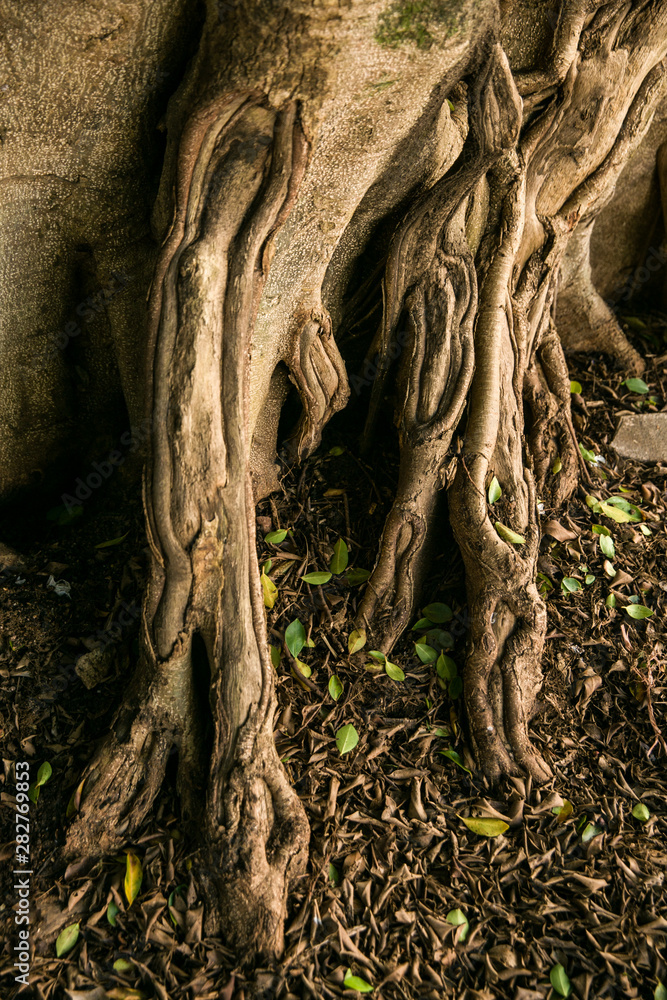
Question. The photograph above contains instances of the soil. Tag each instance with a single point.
(392, 862)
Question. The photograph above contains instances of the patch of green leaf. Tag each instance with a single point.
(337, 450)
(112, 911)
(437, 613)
(134, 875)
(112, 541)
(637, 385)
(508, 535)
(495, 491)
(351, 982)
(316, 579)
(559, 981)
(638, 611)
(570, 585)
(269, 591)
(453, 755)
(340, 558)
(459, 920)
(335, 687)
(607, 546)
(67, 939)
(295, 637)
(427, 654)
(590, 830)
(346, 739)
(333, 874)
(393, 671)
(641, 813)
(356, 576)
(575, 387)
(276, 537)
(43, 776)
(446, 667)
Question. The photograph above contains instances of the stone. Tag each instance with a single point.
(642, 437)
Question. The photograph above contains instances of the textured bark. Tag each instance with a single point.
(299, 134)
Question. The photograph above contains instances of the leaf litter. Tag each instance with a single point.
(568, 895)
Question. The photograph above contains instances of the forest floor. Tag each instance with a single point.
(398, 890)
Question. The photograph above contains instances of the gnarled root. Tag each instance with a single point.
(585, 322)
(551, 435)
(256, 848)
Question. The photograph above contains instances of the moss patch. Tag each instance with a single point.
(414, 21)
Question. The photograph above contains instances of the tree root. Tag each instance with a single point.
(585, 322)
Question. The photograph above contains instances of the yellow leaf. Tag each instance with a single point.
(269, 590)
(356, 641)
(508, 535)
(133, 877)
(485, 827)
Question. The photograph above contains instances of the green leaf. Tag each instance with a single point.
(337, 450)
(44, 774)
(455, 689)
(559, 981)
(570, 585)
(333, 874)
(170, 902)
(452, 754)
(276, 537)
(356, 983)
(645, 530)
(356, 641)
(133, 878)
(357, 576)
(113, 541)
(112, 910)
(495, 491)
(393, 671)
(377, 655)
(422, 623)
(637, 385)
(295, 637)
(638, 611)
(439, 731)
(508, 535)
(590, 831)
(339, 558)
(600, 529)
(611, 601)
(620, 516)
(446, 667)
(589, 579)
(641, 813)
(335, 687)
(316, 579)
(660, 992)
(269, 591)
(426, 653)
(607, 546)
(275, 656)
(589, 456)
(122, 966)
(557, 466)
(437, 613)
(484, 826)
(458, 919)
(575, 387)
(67, 939)
(346, 739)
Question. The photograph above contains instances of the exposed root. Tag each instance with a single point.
(256, 847)
(584, 320)
(318, 371)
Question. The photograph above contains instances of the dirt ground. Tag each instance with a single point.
(392, 862)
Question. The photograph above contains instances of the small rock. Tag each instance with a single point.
(643, 437)
(94, 667)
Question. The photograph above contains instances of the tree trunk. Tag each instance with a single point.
(298, 134)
